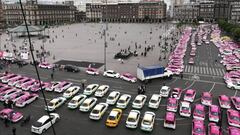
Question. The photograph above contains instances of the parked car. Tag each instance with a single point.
(53, 86)
(185, 109)
(189, 95)
(236, 102)
(111, 73)
(98, 111)
(55, 103)
(176, 93)
(71, 68)
(11, 115)
(224, 101)
(198, 127)
(172, 104)
(17, 96)
(213, 129)
(164, 91)
(206, 98)
(45, 65)
(154, 102)
(123, 101)
(6, 94)
(71, 91)
(233, 118)
(92, 71)
(113, 97)
(199, 112)
(26, 99)
(139, 101)
(114, 117)
(233, 131)
(28, 85)
(44, 123)
(170, 120)
(128, 77)
(101, 91)
(214, 113)
(88, 104)
(62, 86)
(148, 121)
(90, 89)
(133, 119)
(76, 101)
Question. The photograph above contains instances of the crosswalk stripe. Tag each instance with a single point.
(207, 69)
(214, 71)
(220, 71)
(197, 69)
(217, 73)
(204, 71)
(223, 71)
(210, 71)
(200, 70)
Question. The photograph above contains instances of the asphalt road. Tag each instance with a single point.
(75, 122)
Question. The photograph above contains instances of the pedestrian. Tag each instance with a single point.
(6, 121)
(5, 104)
(181, 76)
(14, 131)
(10, 104)
(83, 86)
(52, 76)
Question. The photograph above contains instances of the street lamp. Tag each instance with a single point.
(105, 38)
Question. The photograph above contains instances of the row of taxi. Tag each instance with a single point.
(175, 63)
(230, 53)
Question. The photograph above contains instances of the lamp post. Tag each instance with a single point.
(105, 38)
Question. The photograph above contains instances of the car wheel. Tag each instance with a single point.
(232, 88)
(44, 130)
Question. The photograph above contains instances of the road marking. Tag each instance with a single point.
(204, 81)
(190, 85)
(212, 87)
(43, 98)
(210, 71)
(200, 70)
(197, 69)
(214, 72)
(235, 94)
(204, 71)
(203, 75)
(217, 72)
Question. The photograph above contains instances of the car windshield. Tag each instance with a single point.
(171, 104)
(73, 101)
(85, 104)
(206, 98)
(189, 95)
(111, 117)
(37, 124)
(131, 119)
(95, 111)
(50, 104)
(198, 130)
(88, 89)
(237, 103)
(185, 108)
(199, 111)
(110, 98)
(234, 118)
(214, 113)
(163, 90)
(137, 101)
(146, 122)
(153, 101)
(67, 92)
(121, 101)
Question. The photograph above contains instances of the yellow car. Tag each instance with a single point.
(114, 117)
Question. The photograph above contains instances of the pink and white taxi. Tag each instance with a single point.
(172, 104)
(45, 65)
(214, 113)
(233, 131)
(198, 127)
(62, 86)
(11, 115)
(199, 112)
(128, 77)
(170, 120)
(233, 117)
(206, 98)
(224, 101)
(185, 109)
(213, 129)
(189, 95)
(92, 71)
(25, 80)
(26, 99)
(236, 102)
(28, 85)
(13, 81)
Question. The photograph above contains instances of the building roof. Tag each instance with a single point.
(22, 28)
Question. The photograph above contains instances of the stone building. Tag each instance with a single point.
(206, 11)
(186, 12)
(234, 15)
(221, 9)
(40, 13)
(1, 17)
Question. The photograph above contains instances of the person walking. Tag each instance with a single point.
(52, 76)
(14, 131)
(6, 121)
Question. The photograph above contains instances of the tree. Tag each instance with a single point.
(236, 34)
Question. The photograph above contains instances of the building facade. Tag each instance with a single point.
(234, 16)
(206, 11)
(186, 12)
(221, 9)
(39, 14)
(1, 17)
(127, 12)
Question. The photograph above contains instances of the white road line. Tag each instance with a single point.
(210, 71)
(204, 81)
(186, 68)
(214, 71)
(197, 69)
(43, 98)
(212, 87)
(190, 85)
(200, 70)
(207, 69)
(204, 71)
(189, 69)
(223, 71)
(235, 94)
(217, 72)
(204, 75)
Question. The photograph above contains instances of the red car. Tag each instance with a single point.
(224, 101)
(206, 98)
(199, 112)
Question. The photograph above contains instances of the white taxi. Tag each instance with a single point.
(139, 101)
(147, 123)
(101, 91)
(90, 89)
(113, 97)
(154, 102)
(123, 101)
(133, 119)
(71, 91)
(88, 104)
(76, 101)
(98, 111)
